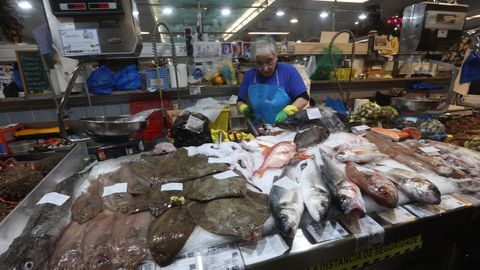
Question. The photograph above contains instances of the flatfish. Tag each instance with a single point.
(88, 205)
(33, 247)
(240, 217)
(68, 250)
(160, 201)
(209, 188)
(168, 233)
(97, 242)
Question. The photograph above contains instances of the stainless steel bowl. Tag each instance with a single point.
(418, 104)
(106, 126)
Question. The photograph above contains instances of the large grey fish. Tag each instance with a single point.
(240, 217)
(316, 196)
(32, 248)
(416, 187)
(209, 188)
(298, 121)
(287, 205)
(160, 201)
(345, 193)
(168, 233)
(311, 134)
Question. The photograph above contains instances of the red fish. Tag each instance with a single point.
(277, 156)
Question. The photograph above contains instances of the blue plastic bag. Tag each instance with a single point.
(127, 78)
(471, 68)
(100, 81)
(337, 105)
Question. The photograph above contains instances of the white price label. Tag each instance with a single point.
(266, 248)
(225, 175)
(195, 90)
(117, 188)
(449, 203)
(411, 119)
(286, 183)
(429, 150)
(233, 100)
(53, 198)
(184, 261)
(327, 232)
(221, 257)
(442, 33)
(314, 113)
(468, 199)
(422, 210)
(172, 186)
(226, 160)
(367, 232)
(194, 124)
(147, 266)
(396, 215)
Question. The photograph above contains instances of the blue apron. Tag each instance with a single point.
(267, 100)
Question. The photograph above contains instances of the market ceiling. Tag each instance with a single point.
(234, 19)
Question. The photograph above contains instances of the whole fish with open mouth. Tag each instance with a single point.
(316, 196)
(311, 134)
(277, 156)
(33, 247)
(286, 203)
(345, 193)
(379, 188)
(416, 187)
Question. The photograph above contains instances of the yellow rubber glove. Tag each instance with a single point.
(246, 110)
(289, 110)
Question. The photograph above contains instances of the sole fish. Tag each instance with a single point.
(68, 250)
(378, 187)
(209, 188)
(88, 205)
(316, 194)
(345, 194)
(168, 233)
(97, 242)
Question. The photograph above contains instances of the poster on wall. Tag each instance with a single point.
(207, 51)
(237, 49)
(246, 49)
(227, 50)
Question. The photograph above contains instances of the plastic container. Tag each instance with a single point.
(7, 135)
(22, 146)
(155, 123)
(221, 123)
(343, 74)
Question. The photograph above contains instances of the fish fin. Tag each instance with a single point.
(302, 156)
(359, 151)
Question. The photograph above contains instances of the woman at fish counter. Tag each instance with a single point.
(270, 92)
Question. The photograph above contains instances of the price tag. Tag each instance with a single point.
(442, 33)
(147, 266)
(327, 232)
(227, 160)
(286, 183)
(186, 261)
(225, 175)
(233, 100)
(468, 199)
(266, 248)
(449, 203)
(368, 233)
(396, 215)
(411, 119)
(422, 210)
(194, 124)
(221, 257)
(53, 198)
(360, 130)
(195, 90)
(314, 113)
(429, 150)
(171, 186)
(117, 188)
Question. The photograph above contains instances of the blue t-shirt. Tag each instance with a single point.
(288, 77)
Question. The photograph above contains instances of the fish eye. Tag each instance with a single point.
(27, 265)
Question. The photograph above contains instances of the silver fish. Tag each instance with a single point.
(345, 193)
(287, 205)
(360, 157)
(316, 194)
(416, 187)
(33, 247)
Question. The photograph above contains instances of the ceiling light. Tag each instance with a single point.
(299, 41)
(268, 33)
(178, 36)
(324, 14)
(251, 13)
(280, 13)
(145, 33)
(294, 20)
(362, 16)
(226, 12)
(167, 11)
(473, 17)
(356, 22)
(344, 1)
(25, 5)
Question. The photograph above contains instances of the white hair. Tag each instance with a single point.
(263, 46)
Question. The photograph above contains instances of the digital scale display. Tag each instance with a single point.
(85, 7)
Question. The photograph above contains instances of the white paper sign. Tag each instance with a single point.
(53, 198)
(171, 186)
(80, 42)
(225, 175)
(286, 183)
(221, 257)
(184, 261)
(422, 210)
(449, 203)
(233, 100)
(367, 232)
(227, 160)
(194, 124)
(314, 113)
(327, 232)
(429, 150)
(442, 33)
(396, 215)
(266, 248)
(195, 90)
(117, 188)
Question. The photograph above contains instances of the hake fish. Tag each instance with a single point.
(360, 156)
(33, 247)
(416, 187)
(375, 185)
(316, 196)
(286, 203)
(345, 193)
